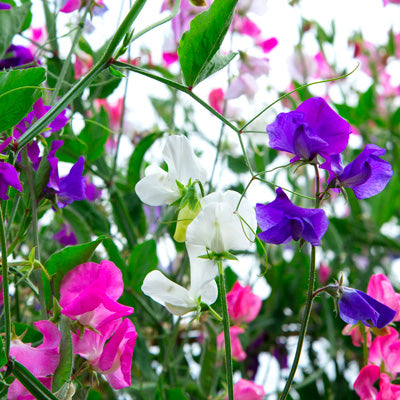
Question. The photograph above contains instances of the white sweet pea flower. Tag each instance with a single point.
(176, 298)
(158, 187)
(218, 227)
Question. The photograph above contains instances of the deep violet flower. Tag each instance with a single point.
(312, 129)
(355, 306)
(66, 236)
(5, 6)
(8, 174)
(367, 174)
(282, 221)
(15, 56)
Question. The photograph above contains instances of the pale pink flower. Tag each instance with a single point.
(237, 350)
(385, 352)
(381, 289)
(386, 2)
(324, 70)
(254, 66)
(356, 335)
(247, 390)
(82, 65)
(114, 111)
(244, 84)
(243, 305)
(89, 294)
(41, 361)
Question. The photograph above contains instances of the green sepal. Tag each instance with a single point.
(219, 256)
(115, 72)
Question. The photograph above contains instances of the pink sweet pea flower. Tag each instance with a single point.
(381, 289)
(363, 385)
(169, 58)
(216, 99)
(89, 294)
(324, 273)
(254, 66)
(268, 44)
(70, 6)
(109, 351)
(356, 335)
(237, 350)
(385, 352)
(41, 361)
(243, 84)
(243, 305)
(245, 26)
(387, 390)
(247, 390)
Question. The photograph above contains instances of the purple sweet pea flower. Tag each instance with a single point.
(5, 6)
(281, 221)
(355, 306)
(367, 174)
(66, 236)
(312, 129)
(72, 186)
(15, 56)
(37, 112)
(8, 174)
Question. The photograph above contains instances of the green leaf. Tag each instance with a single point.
(63, 371)
(95, 135)
(103, 85)
(32, 384)
(201, 42)
(3, 358)
(16, 99)
(30, 334)
(136, 160)
(115, 72)
(64, 260)
(11, 22)
(78, 224)
(218, 62)
(176, 394)
(114, 254)
(143, 260)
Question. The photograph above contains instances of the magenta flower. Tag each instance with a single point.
(237, 350)
(243, 305)
(365, 388)
(89, 294)
(247, 390)
(381, 289)
(312, 129)
(41, 361)
(367, 174)
(109, 351)
(384, 352)
(268, 44)
(355, 306)
(281, 221)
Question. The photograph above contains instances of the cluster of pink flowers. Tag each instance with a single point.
(383, 360)
(88, 295)
(243, 307)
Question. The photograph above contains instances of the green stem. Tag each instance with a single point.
(184, 89)
(67, 61)
(292, 91)
(227, 334)
(51, 28)
(77, 89)
(365, 344)
(6, 297)
(36, 274)
(304, 325)
(173, 13)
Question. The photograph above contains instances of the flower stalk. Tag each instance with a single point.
(227, 335)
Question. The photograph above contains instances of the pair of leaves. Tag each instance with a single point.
(198, 48)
